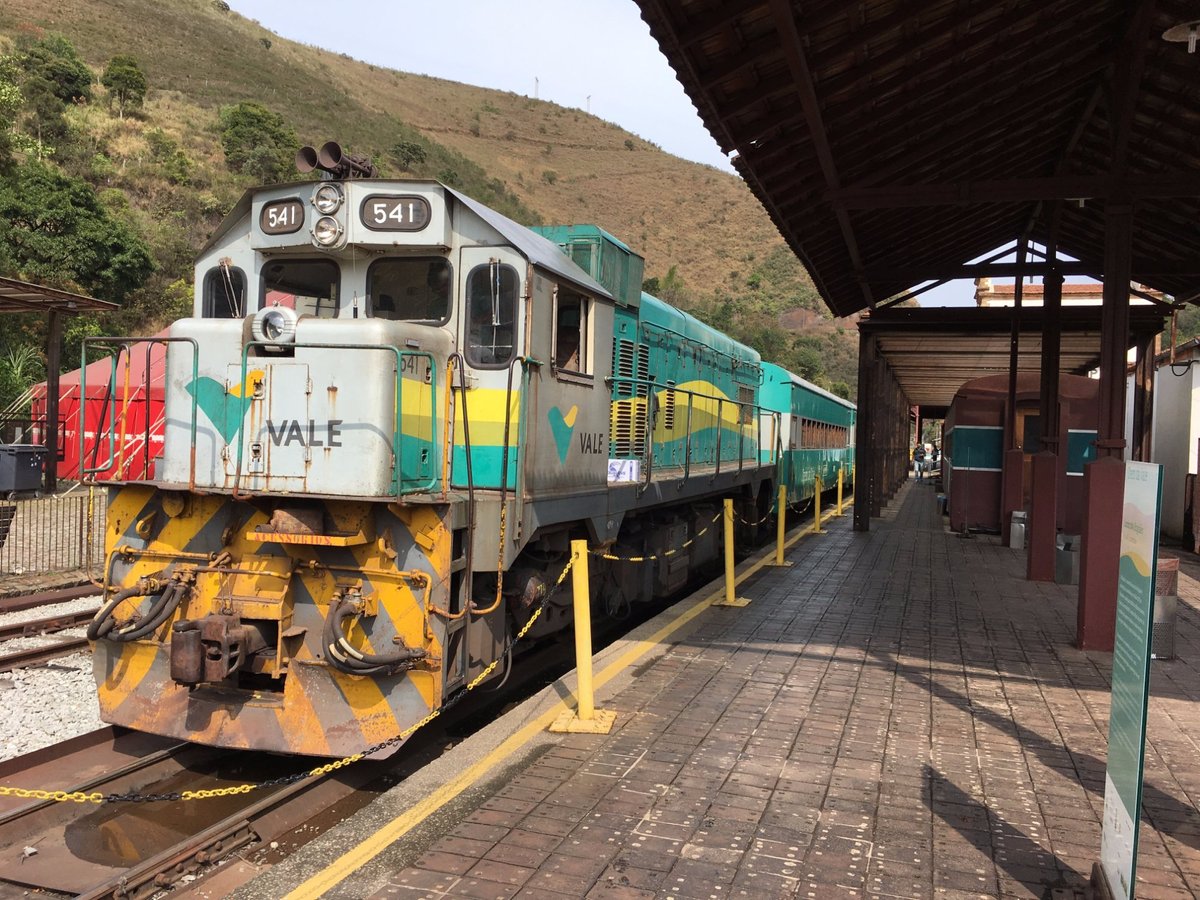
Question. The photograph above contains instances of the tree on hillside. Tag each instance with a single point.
(257, 141)
(54, 59)
(408, 154)
(45, 120)
(125, 83)
(11, 101)
(53, 228)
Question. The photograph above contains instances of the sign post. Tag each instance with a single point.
(1130, 677)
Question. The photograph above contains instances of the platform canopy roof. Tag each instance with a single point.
(22, 296)
(892, 141)
(932, 352)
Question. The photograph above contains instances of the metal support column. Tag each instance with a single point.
(1043, 516)
(884, 433)
(1104, 479)
(54, 338)
(1012, 486)
(893, 421)
(1143, 399)
(864, 450)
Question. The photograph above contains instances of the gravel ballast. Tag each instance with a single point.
(43, 705)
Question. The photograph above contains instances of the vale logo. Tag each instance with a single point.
(562, 426)
(225, 411)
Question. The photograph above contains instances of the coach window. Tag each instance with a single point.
(571, 331)
(414, 289)
(225, 293)
(491, 315)
(309, 286)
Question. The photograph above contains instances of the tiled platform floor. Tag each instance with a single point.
(900, 715)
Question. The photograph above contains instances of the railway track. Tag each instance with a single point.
(37, 656)
(35, 627)
(20, 602)
(133, 850)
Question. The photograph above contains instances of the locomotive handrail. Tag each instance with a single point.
(126, 344)
(741, 407)
(397, 423)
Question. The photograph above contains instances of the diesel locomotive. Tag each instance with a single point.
(389, 414)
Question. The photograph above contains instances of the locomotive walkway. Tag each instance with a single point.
(899, 715)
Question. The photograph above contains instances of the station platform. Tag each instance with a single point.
(898, 715)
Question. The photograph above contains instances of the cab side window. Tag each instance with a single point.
(571, 332)
(225, 294)
(491, 315)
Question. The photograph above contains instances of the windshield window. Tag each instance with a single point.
(309, 286)
(410, 290)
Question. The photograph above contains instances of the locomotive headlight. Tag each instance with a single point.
(327, 231)
(327, 199)
(274, 325)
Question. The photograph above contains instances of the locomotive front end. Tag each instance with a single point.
(275, 586)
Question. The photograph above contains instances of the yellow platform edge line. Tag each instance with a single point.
(353, 860)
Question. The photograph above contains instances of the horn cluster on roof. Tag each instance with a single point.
(334, 162)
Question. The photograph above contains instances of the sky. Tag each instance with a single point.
(567, 52)
(596, 56)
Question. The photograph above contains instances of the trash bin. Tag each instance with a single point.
(1166, 609)
(21, 467)
(1066, 559)
(1016, 533)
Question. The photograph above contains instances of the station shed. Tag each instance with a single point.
(23, 297)
(900, 144)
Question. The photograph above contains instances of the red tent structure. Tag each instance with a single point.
(118, 404)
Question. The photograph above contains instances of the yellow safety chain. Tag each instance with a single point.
(56, 796)
(327, 768)
(603, 554)
(769, 514)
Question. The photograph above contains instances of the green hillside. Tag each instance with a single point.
(161, 176)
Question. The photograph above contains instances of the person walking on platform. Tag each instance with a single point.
(919, 461)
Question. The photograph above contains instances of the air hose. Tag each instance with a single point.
(106, 627)
(346, 658)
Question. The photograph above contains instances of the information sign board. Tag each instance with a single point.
(1130, 676)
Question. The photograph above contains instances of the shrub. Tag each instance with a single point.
(257, 142)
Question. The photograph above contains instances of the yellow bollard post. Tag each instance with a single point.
(839, 505)
(780, 527)
(817, 505)
(586, 719)
(731, 598)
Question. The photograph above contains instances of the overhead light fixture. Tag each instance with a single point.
(1185, 31)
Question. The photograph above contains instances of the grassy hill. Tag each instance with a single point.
(703, 234)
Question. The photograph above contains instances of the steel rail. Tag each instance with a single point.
(45, 598)
(36, 656)
(82, 745)
(47, 625)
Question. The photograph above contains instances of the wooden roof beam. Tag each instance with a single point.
(1016, 190)
(1127, 76)
(702, 25)
(1029, 18)
(785, 24)
(1015, 106)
